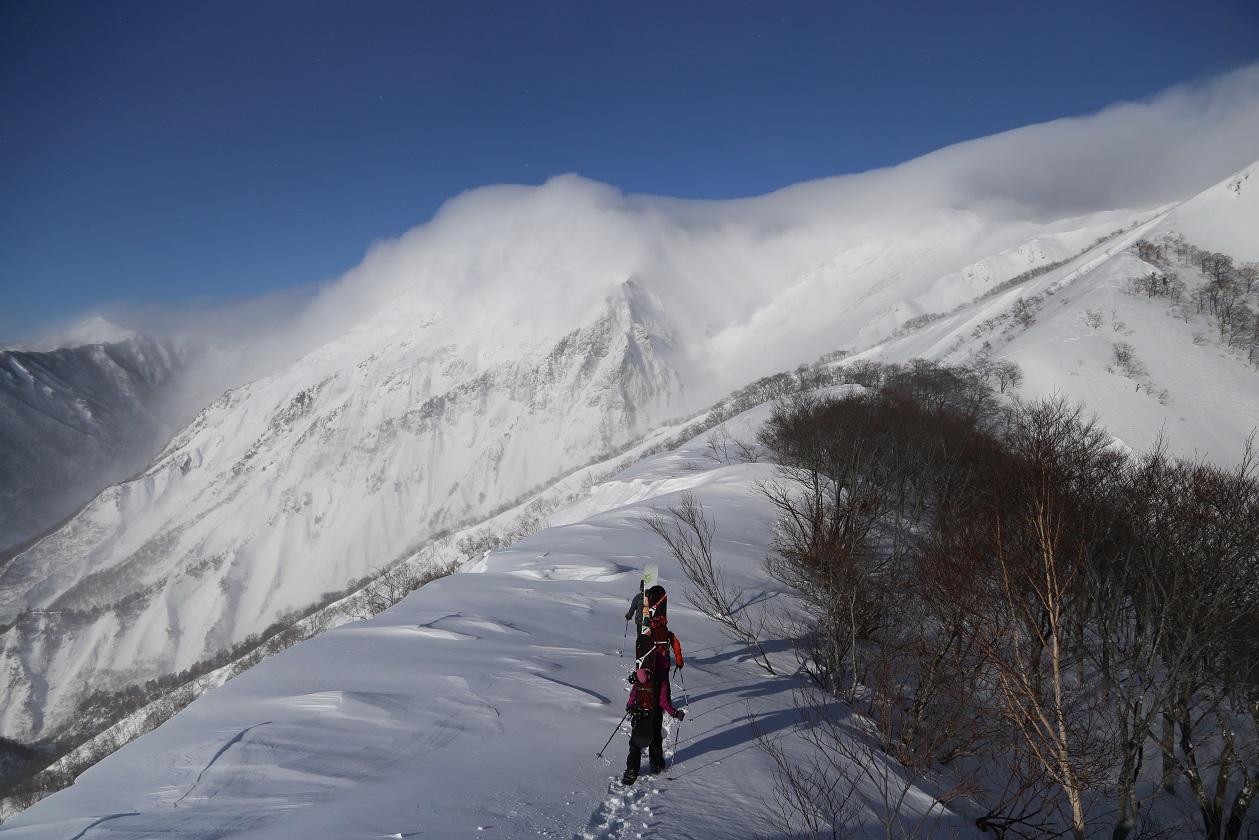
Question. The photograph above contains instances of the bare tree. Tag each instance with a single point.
(841, 474)
(1008, 375)
(390, 585)
(852, 765)
(1206, 546)
(1017, 549)
(1127, 360)
(1022, 597)
(688, 534)
(716, 444)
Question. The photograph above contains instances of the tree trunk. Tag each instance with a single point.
(1168, 751)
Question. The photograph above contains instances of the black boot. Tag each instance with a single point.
(629, 777)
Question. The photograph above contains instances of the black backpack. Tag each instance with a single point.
(646, 691)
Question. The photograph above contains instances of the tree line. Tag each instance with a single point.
(1229, 293)
(1066, 633)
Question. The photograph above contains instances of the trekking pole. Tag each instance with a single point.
(677, 729)
(673, 763)
(686, 701)
(613, 735)
(626, 638)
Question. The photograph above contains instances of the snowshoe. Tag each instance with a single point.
(629, 777)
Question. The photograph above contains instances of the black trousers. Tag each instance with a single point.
(655, 752)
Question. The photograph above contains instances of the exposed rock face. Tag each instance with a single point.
(73, 421)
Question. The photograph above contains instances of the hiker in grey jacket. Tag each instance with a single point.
(636, 609)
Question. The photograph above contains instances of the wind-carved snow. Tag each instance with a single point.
(478, 705)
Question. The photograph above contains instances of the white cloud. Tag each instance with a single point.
(1129, 155)
(530, 260)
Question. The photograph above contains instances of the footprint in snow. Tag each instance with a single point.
(625, 813)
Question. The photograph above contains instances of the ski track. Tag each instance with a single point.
(104, 819)
(235, 739)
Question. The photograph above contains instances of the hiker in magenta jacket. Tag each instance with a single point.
(649, 699)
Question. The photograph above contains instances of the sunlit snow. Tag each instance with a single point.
(465, 367)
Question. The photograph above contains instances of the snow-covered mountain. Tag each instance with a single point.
(301, 483)
(1063, 326)
(490, 703)
(526, 331)
(476, 707)
(94, 330)
(78, 415)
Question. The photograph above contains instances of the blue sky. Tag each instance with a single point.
(196, 153)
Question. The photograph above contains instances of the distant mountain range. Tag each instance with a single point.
(78, 414)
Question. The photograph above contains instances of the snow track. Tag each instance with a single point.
(472, 709)
(625, 813)
(629, 811)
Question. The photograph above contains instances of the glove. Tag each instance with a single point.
(679, 667)
(681, 715)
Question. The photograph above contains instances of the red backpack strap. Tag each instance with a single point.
(646, 694)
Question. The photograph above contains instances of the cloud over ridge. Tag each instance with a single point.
(535, 259)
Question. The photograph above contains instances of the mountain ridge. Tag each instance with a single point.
(606, 370)
(76, 419)
(442, 404)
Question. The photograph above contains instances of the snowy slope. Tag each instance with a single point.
(457, 393)
(77, 418)
(522, 333)
(476, 707)
(1210, 219)
(1201, 398)
(298, 484)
